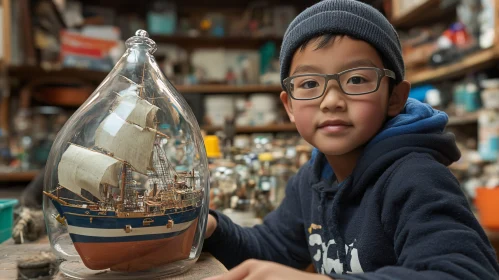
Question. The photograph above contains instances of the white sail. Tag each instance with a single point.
(134, 109)
(81, 168)
(126, 141)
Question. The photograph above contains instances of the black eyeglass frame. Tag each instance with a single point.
(381, 73)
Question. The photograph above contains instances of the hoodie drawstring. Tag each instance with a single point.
(333, 223)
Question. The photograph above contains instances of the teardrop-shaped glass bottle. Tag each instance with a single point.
(126, 183)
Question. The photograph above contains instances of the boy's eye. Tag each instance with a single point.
(356, 80)
(309, 84)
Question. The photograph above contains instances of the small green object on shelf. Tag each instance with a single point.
(6, 218)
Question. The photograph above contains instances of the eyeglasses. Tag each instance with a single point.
(356, 81)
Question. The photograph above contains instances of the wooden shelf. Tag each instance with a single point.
(290, 127)
(473, 62)
(35, 72)
(459, 167)
(25, 176)
(31, 72)
(256, 129)
(427, 11)
(239, 42)
(471, 118)
(229, 89)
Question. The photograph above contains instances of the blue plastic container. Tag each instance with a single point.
(6, 218)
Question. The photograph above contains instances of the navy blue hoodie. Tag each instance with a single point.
(400, 215)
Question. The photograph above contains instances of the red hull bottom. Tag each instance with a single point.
(139, 255)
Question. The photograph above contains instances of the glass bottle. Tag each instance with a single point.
(115, 203)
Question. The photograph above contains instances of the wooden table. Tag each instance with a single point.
(10, 253)
(494, 240)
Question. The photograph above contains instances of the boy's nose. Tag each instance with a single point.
(333, 100)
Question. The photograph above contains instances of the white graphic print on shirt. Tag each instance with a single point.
(327, 262)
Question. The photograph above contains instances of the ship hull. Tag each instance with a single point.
(137, 255)
(105, 241)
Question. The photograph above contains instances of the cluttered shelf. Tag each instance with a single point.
(24, 176)
(27, 176)
(471, 118)
(290, 127)
(26, 72)
(287, 127)
(31, 72)
(229, 88)
(229, 42)
(428, 10)
(473, 62)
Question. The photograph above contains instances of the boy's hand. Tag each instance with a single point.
(262, 270)
(211, 225)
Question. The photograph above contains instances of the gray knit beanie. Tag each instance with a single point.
(343, 17)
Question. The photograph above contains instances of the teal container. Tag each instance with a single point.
(162, 23)
(6, 218)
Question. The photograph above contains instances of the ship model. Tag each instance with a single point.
(113, 222)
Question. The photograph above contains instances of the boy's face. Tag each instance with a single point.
(337, 123)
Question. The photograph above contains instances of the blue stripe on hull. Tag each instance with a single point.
(58, 207)
(92, 239)
(84, 211)
(120, 223)
(110, 221)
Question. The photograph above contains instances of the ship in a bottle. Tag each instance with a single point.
(112, 220)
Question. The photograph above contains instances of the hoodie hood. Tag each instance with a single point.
(418, 128)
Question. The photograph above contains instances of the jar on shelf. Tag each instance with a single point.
(488, 121)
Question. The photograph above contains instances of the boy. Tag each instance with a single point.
(376, 201)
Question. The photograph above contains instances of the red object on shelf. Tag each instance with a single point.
(458, 35)
(487, 203)
(76, 44)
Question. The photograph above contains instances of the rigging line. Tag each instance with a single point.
(130, 81)
(66, 198)
(119, 95)
(86, 199)
(152, 98)
(100, 148)
(147, 128)
(142, 82)
(159, 155)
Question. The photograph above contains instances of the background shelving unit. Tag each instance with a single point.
(424, 11)
(421, 12)
(29, 72)
(239, 42)
(22, 75)
(427, 12)
(256, 129)
(473, 62)
(18, 177)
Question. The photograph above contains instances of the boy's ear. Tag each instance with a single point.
(286, 101)
(398, 98)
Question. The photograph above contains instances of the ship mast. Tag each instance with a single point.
(142, 82)
(124, 170)
(123, 184)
